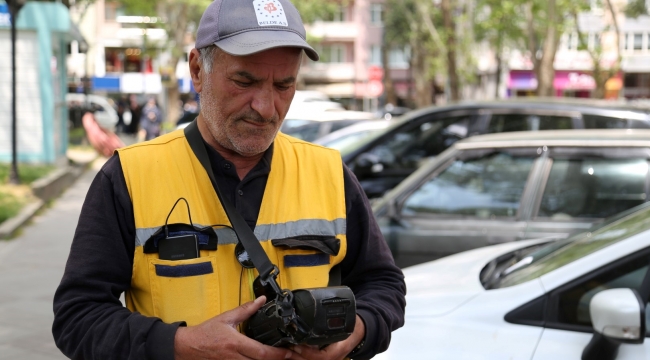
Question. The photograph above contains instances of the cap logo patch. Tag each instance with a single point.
(270, 13)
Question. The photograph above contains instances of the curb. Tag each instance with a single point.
(10, 225)
(45, 189)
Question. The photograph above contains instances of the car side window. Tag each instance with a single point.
(593, 188)
(340, 124)
(485, 187)
(307, 132)
(528, 122)
(407, 148)
(573, 303)
(603, 122)
(96, 107)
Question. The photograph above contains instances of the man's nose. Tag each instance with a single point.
(264, 102)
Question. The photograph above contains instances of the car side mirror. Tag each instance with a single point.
(618, 316)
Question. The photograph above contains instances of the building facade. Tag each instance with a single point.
(124, 53)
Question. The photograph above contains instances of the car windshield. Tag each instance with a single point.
(562, 252)
(351, 139)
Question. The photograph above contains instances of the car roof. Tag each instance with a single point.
(585, 106)
(330, 115)
(579, 137)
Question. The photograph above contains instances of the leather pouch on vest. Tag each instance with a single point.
(207, 239)
(329, 245)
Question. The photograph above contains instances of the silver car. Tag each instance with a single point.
(497, 188)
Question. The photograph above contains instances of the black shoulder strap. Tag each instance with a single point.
(244, 233)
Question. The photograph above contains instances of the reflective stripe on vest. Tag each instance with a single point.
(272, 231)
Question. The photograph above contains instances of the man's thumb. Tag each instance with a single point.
(245, 311)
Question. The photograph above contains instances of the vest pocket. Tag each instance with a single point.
(305, 260)
(184, 290)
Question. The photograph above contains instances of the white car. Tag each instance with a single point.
(312, 122)
(102, 108)
(584, 297)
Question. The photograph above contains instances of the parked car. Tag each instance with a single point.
(312, 123)
(498, 188)
(585, 297)
(350, 135)
(102, 108)
(382, 161)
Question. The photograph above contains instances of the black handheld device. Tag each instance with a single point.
(178, 247)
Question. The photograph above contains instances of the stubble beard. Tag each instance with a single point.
(225, 131)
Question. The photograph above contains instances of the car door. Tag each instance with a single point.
(582, 186)
(396, 155)
(473, 200)
(568, 327)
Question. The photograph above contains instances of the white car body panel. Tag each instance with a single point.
(562, 344)
(449, 315)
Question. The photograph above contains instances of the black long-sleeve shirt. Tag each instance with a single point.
(91, 323)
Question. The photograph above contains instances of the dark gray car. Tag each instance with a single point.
(491, 189)
(383, 161)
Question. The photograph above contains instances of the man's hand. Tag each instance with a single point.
(336, 351)
(218, 338)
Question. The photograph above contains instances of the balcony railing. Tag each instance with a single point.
(333, 30)
(329, 71)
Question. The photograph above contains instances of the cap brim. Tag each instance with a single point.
(252, 42)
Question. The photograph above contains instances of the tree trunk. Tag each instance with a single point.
(176, 32)
(423, 87)
(389, 88)
(531, 38)
(551, 40)
(450, 29)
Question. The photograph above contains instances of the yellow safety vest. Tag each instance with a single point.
(304, 197)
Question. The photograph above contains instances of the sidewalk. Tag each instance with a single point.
(31, 267)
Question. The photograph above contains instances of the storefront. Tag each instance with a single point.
(575, 84)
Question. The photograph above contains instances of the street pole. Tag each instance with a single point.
(14, 8)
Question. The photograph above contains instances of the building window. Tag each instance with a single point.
(331, 53)
(594, 41)
(375, 55)
(339, 14)
(112, 10)
(376, 14)
(571, 41)
(638, 41)
(399, 57)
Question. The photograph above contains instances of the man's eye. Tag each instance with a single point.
(283, 87)
(242, 84)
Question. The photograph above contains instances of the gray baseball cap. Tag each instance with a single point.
(244, 27)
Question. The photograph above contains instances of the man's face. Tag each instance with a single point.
(245, 98)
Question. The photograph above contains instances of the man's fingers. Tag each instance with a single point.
(239, 314)
(260, 351)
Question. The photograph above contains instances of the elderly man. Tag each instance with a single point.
(307, 210)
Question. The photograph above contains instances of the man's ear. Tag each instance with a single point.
(196, 70)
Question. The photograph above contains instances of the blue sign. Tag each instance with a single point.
(5, 17)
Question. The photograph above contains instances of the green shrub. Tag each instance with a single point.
(26, 172)
(9, 206)
(77, 136)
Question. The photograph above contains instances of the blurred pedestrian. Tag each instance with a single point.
(134, 110)
(150, 121)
